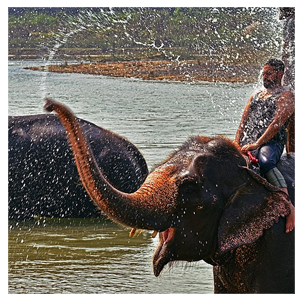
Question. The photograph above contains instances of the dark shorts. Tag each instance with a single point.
(268, 155)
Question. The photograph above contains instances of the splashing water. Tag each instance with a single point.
(85, 20)
(61, 38)
(105, 21)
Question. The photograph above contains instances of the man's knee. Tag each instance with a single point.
(268, 158)
(266, 163)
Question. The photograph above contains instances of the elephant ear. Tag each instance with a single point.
(254, 207)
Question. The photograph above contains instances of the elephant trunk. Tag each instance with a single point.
(150, 207)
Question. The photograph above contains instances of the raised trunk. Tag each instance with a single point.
(150, 207)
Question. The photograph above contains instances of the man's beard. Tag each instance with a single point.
(270, 84)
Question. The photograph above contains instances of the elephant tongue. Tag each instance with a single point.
(162, 255)
(168, 234)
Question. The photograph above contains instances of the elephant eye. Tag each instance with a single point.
(190, 187)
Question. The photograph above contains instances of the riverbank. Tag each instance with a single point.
(189, 70)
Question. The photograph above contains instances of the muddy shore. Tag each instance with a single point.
(190, 71)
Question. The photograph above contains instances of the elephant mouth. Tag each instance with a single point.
(163, 254)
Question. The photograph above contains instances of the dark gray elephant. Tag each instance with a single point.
(43, 178)
(207, 205)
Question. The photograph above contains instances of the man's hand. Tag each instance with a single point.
(249, 147)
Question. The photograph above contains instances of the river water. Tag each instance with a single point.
(96, 256)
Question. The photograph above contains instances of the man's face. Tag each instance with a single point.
(269, 76)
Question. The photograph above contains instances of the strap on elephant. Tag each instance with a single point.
(252, 158)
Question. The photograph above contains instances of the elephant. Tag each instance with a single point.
(43, 178)
(206, 204)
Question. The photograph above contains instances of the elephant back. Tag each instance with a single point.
(43, 179)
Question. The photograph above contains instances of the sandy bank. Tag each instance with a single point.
(163, 70)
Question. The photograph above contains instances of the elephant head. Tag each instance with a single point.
(202, 199)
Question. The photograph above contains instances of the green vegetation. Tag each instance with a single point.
(29, 29)
(237, 35)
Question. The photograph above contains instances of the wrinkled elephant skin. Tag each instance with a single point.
(43, 178)
(207, 205)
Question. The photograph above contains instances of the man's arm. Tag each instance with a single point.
(290, 144)
(286, 107)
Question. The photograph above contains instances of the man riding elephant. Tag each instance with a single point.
(262, 129)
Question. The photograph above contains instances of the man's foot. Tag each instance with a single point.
(290, 219)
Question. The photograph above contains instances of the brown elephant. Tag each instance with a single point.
(207, 205)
